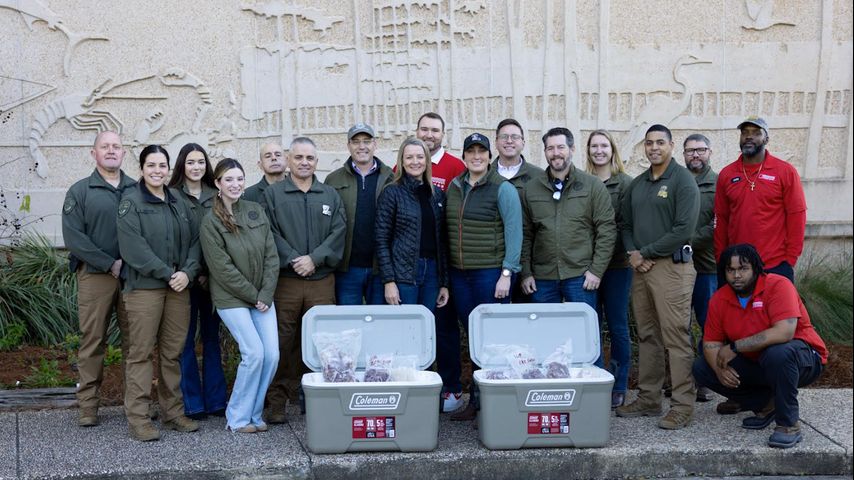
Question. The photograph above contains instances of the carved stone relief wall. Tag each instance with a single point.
(233, 74)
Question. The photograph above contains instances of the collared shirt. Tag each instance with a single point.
(511, 171)
(356, 169)
(437, 157)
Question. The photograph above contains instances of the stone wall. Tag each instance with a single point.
(233, 74)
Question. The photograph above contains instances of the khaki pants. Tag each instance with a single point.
(97, 295)
(293, 297)
(159, 316)
(661, 304)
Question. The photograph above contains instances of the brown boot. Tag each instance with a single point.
(87, 417)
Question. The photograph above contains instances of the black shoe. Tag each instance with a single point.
(197, 416)
(761, 418)
(785, 437)
(703, 394)
(728, 407)
(217, 413)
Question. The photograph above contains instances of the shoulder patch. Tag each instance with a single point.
(124, 207)
(253, 215)
(69, 205)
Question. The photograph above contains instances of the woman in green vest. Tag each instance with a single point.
(193, 179)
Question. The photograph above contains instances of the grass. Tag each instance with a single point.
(825, 285)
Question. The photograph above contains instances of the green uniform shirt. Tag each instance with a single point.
(89, 221)
(659, 215)
(255, 193)
(157, 238)
(563, 238)
(244, 266)
(617, 186)
(703, 239)
(306, 223)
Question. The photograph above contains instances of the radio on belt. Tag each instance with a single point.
(373, 416)
(541, 412)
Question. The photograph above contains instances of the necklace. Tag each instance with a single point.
(750, 182)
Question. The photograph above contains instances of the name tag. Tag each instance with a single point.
(327, 210)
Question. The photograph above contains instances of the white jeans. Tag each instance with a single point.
(258, 338)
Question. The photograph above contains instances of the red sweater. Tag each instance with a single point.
(772, 216)
(448, 168)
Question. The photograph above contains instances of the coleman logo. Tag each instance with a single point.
(375, 401)
(547, 398)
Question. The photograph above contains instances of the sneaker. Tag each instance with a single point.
(703, 394)
(761, 418)
(785, 437)
(675, 420)
(276, 415)
(638, 409)
(466, 414)
(261, 427)
(88, 417)
(617, 399)
(728, 407)
(182, 424)
(146, 432)
(244, 429)
(451, 401)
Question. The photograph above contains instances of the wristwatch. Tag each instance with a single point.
(505, 272)
(733, 347)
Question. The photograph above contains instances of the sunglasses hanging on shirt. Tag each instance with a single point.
(558, 183)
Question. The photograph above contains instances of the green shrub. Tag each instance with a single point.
(113, 356)
(47, 375)
(825, 285)
(13, 337)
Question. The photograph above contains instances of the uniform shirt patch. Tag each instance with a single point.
(327, 210)
(662, 192)
(758, 304)
(735, 180)
(124, 207)
(69, 205)
(765, 176)
(253, 215)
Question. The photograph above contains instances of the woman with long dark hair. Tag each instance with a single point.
(159, 243)
(193, 179)
(244, 267)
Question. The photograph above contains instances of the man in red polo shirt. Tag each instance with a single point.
(759, 199)
(759, 346)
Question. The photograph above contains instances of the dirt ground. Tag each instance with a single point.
(16, 365)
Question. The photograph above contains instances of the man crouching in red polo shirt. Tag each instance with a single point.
(759, 346)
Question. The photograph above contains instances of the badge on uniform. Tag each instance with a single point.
(662, 192)
(327, 210)
(69, 205)
(253, 215)
(124, 207)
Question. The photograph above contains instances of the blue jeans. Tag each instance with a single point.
(448, 347)
(358, 286)
(614, 307)
(569, 290)
(257, 336)
(425, 290)
(470, 288)
(704, 287)
(780, 371)
(211, 398)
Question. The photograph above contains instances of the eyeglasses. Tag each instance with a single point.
(504, 137)
(698, 151)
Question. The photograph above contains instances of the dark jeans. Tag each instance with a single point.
(780, 371)
(614, 307)
(569, 290)
(448, 347)
(425, 290)
(704, 287)
(470, 288)
(210, 397)
(358, 286)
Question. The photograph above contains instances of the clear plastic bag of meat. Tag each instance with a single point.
(338, 352)
(523, 360)
(558, 363)
(404, 368)
(379, 367)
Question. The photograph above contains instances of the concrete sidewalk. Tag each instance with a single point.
(48, 444)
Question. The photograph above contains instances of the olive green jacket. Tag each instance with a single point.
(89, 222)
(703, 239)
(200, 207)
(344, 181)
(526, 172)
(156, 238)
(617, 186)
(563, 238)
(306, 223)
(243, 266)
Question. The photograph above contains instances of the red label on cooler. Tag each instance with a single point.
(547, 423)
(374, 427)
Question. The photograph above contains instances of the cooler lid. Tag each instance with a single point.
(543, 326)
(396, 329)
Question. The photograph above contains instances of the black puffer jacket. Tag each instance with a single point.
(398, 232)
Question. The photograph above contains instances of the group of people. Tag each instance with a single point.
(450, 234)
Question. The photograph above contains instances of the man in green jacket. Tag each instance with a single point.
(271, 161)
(359, 183)
(659, 213)
(509, 162)
(568, 225)
(308, 224)
(697, 151)
(89, 233)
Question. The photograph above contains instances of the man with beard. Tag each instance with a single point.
(568, 228)
(430, 129)
(759, 346)
(659, 213)
(697, 152)
(760, 201)
(272, 163)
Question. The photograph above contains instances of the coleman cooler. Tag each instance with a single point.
(547, 412)
(373, 416)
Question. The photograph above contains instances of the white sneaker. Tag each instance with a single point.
(451, 401)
